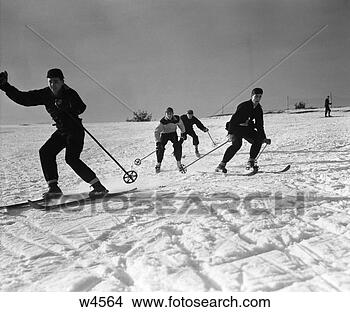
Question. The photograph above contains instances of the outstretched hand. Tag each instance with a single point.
(267, 141)
(3, 78)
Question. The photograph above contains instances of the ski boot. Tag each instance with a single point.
(181, 167)
(98, 190)
(53, 192)
(221, 168)
(252, 164)
(157, 168)
(196, 151)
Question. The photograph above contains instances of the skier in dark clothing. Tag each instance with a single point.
(166, 131)
(64, 105)
(189, 120)
(246, 123)
(327, 104)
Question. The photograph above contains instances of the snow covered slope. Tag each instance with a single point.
(198, 231)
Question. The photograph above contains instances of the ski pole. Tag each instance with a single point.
(257, 157)
(137, 161)
(129, 176)
(214, 144)
(184, 169)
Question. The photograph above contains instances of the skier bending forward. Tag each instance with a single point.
(166, 131)
(246, 123)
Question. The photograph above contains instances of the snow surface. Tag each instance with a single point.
(200, 231)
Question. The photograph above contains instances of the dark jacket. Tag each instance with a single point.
(327, 102)
(247, 116)
(188, 123)
(69, 102)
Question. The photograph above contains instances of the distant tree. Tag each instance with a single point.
(140, 115)
(300, 105)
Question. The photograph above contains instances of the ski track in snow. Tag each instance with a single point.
(200, 231)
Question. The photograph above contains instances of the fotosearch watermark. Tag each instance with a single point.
(195, 203)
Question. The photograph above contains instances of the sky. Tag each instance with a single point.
(187, 54)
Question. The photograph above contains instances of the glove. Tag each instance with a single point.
(267, 141)
(3, 78)
(206, 130)
(184, 136)
(158, 145)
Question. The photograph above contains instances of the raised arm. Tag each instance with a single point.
(24, 98)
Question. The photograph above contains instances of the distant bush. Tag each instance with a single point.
(140, 115)
(300, 105)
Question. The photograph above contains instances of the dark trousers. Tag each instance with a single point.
(327, 111)
(248, 134)
(194, 137)
(73, 142)
(164, 138)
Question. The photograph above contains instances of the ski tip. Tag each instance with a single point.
(286, 168)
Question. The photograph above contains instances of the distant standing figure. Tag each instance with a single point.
(166, 131)
(189, 120)
(327, 104)
(64, 105)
